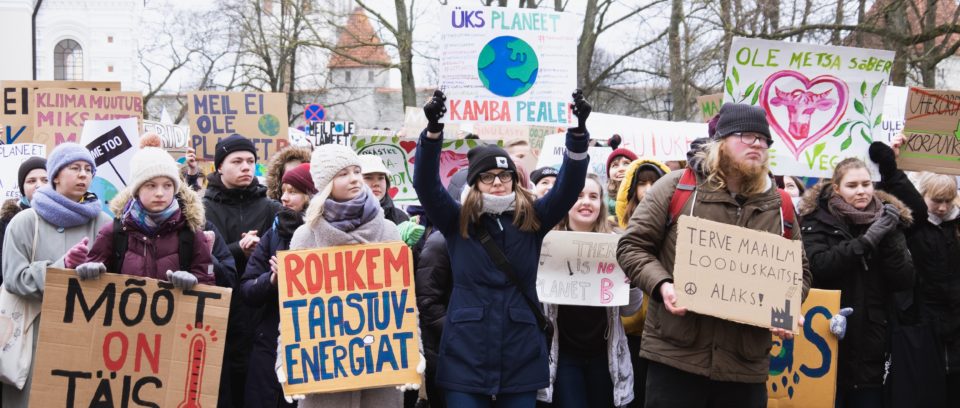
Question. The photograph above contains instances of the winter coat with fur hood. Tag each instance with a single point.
(152, 256)
(841, 259)
(275, 169)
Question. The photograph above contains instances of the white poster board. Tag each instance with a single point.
(11, 156)
(112, 144)
(554, 150)
(580, 268)
(649, 138)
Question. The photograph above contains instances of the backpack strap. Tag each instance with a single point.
(119, 245)
(685, 188)
(186, 236)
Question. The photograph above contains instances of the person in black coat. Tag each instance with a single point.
(434, 284)
(237, 204)
(853, 237)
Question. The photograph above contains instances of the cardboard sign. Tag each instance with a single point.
(823, 103)
(652, 139)
(112, 144)
(348, 318)
(580, 268)
(399, 154)
(331, 132)
(171, 136)
(894, 112)
(260, 117)
(490, 64)
(17, 101)
(59, 114)
(554, 150)
(932, 132)
(11, 156)
(738, 274)
(803, 371)
(124, 340)
(709, 106)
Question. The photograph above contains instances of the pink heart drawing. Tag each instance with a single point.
(801, 105)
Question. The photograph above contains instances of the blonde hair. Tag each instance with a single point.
(844, 167)
(524, 216)
(711, 155)
(600, 224)
(937, 187)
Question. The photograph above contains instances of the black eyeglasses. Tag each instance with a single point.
(751, 138)
(504, 176)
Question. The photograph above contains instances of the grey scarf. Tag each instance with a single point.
(497, 205)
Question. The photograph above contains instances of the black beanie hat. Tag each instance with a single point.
(739, 117)
(488, 157)
(541, 173)
(233, 143)
(26, 167)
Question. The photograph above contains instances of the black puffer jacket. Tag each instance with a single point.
(868, 277)
(434, 284)
(391, 212)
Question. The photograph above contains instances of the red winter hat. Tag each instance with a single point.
(614, 142)
(299, 178)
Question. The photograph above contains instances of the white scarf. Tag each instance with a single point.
(952, 215)
(496, 205)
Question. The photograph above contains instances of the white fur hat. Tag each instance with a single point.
(152, 162)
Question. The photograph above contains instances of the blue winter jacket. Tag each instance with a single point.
(491, 343)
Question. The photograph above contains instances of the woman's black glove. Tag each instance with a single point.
(582, 110)
(434, 110)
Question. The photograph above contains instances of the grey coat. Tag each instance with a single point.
(25, 278)
(618, 353)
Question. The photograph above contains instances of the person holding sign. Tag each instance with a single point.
(55, 232)
(589, 356)
(493, 342)
(344, 212)
(31, 176)
(724, 361)
(259, 288)
(158, 232)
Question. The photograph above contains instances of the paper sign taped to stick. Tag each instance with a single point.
(171, 136)
(11, 156)
(649, 138)
(59, 114)
(894, 112)
(508, 65)
(824, 103)
(18, 101)
(260, 117)
(581, 268)
(738, 274)
(932, 132)
(709, 106)
(803, 371)
(348, 318)
(128, 340)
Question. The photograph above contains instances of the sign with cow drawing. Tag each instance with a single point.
(823, 103)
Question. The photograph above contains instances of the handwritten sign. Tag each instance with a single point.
(172, 136)
(124, 340)
(554, 150)
(653, 139)
(111, 143)
(894, 112)
(11, 156)
(932, 132)
(738, 274)
(491, 60)
(331, 132)
(709, 106)
(260, 117)
(823, 103)
(348, 318)
(17, 101)
(59, 114)
(803, 371)
(580, 268)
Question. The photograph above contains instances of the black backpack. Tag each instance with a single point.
(120, 247)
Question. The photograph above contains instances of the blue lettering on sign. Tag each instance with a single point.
(468, 19)
(11, 136)
(782, 363)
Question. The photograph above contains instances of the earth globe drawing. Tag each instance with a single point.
(269, 125)
(508, 66)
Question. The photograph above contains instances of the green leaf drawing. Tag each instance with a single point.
(879, 119)
(858, 106)
(846, 143)
(841, 128)
(729, 87)
(756, 96)
(736, 76)
(360, 144)
(876, 90)
(749, 90)
(863, 89)
(818, 148)
(458, 144)
(866, 137)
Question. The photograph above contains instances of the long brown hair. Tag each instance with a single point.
(524, 216)
(600, 224)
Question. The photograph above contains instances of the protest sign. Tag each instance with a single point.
(709, 106)
(414, 122)
(803, 370)
(18, 101)
(172, 136)
(348, 318)
(331, 132)
(124, 340)
(11, 156)
(580, 268)
(59, 114)
(932, 132)
(508, 65)
(112, 143)
(823, 103)
(738, 274)
(398, 155)
(894, 113)
(260, 117)
(648, 138)
(554, 150)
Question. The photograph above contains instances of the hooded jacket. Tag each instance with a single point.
(390, 211)
(703, 345)
(840, 258)
(275, 169)
(152, 256)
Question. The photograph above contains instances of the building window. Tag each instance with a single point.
(370, 76)
(68, 61)
(346, 76)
